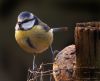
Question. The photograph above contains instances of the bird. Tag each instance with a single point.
(33, 35)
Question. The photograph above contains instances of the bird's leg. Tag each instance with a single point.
(32, 72)
(52, 52)
(33, 62)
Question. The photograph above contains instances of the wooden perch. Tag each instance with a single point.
(64, 64)
(87, 39)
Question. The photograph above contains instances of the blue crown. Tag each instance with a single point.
(25, 14)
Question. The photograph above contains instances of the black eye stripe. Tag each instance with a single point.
(25, 21)
(36, 21)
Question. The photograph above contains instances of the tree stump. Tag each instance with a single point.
(87, 40)
(64, 64)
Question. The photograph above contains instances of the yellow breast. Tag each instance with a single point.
(35, 40)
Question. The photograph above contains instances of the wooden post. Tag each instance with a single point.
(87, 40)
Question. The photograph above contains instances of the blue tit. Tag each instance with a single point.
(32, 34)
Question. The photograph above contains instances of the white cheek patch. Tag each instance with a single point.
(28, 25)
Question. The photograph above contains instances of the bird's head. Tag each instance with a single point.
(26, 20)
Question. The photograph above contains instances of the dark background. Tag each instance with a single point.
(14, 62)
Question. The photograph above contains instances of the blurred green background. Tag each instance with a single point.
(14, 62)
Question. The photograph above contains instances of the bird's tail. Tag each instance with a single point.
(60, 29)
